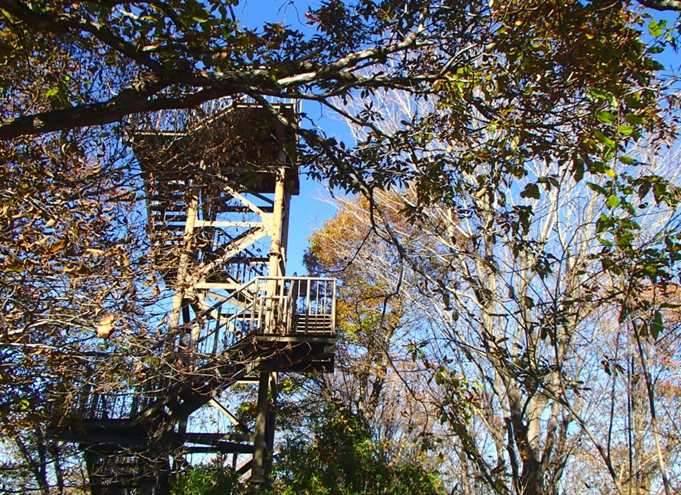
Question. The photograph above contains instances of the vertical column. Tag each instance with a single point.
(276, 268)
(178, 312)
(185, 256)
(259, 442)
(265, 421)
(270, 423)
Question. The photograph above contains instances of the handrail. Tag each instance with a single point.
(183, 121)
(297, 307)
(231, 295)
(275, 306)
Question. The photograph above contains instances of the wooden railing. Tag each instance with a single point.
(188, 120)
(300, 307)
(284, 306)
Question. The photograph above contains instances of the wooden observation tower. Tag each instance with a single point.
(218, 182)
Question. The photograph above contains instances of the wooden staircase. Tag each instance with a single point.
(253, 331)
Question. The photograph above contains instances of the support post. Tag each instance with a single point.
(185, 256)
(265, 424)
(271, 419)
(275, 268)
(259, 442)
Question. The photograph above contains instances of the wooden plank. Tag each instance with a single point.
(216, 438)
(223, 447)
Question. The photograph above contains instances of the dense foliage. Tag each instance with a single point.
(337, 455)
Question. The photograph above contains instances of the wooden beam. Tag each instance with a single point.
(235, 421)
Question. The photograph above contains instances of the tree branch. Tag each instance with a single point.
(128, 102)
(61, 24)
(662, 4)
(209, 85)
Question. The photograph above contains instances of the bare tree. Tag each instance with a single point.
(532, 323)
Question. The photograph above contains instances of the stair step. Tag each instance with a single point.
(166, 190)
(167, 240)
(138, 482)
(314, 323)
(164, 227)
(244, 209)
(128, 466)
(155, 222)
(171, 185)
(177, 198)
(215, 438)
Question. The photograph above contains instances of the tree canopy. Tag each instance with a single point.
(522, 358)
(571, 80)
(506, 106)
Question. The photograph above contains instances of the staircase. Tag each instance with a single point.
(273, 324)
(120, 473)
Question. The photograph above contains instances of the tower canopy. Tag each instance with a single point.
(243, 144)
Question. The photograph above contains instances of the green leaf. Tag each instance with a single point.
(657, 326)
(604, 223)
(654, 28)
(625, 129)
(609, 143)
(627, 160)
(531, 191)
(606, 117)
(597, 188)
(633, 118)
(597, 167)
(602, 95)
(655, 65)
(578, 170)
(635, 102)
(613, 201)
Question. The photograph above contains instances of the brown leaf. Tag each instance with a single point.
(58, 246)
(105, 327)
